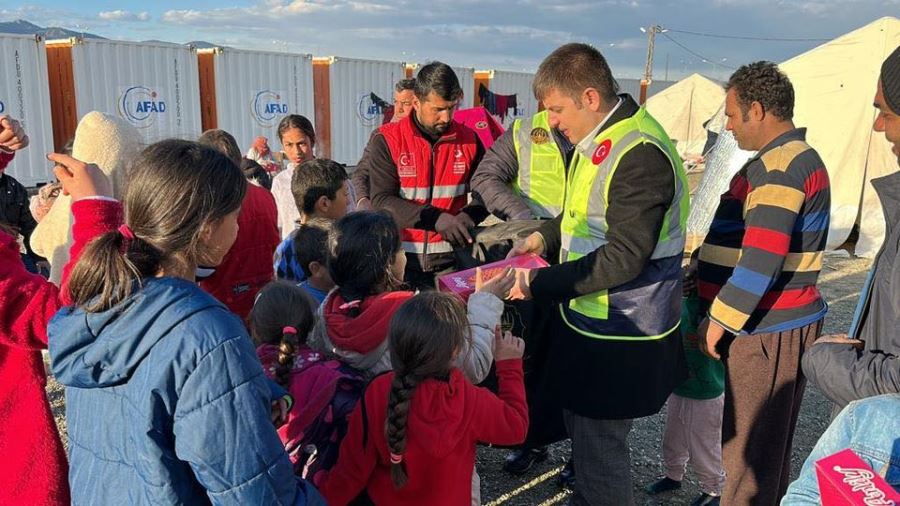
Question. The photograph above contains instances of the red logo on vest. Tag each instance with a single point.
(406, 165)
(601, 152)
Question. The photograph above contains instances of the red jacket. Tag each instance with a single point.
(248, 265)
(446, 420)
(33, 469)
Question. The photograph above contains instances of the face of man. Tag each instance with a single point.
(574, 119)
(742, 125)
(434, 113)
(403, 103)
(887, 121)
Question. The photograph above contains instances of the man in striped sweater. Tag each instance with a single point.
(757, 277)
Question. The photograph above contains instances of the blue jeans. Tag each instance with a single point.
(871, 428)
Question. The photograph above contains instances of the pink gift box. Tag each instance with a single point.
(462, 283)
(845, 480)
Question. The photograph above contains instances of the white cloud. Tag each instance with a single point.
(120, 15)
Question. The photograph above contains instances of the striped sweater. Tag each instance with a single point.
(761, 258)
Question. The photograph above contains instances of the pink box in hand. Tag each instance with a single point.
(845, 480)
(462, 283)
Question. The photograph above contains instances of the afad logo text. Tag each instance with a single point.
(370, 113)
(267, 107)
(141, 106)
(2, 107)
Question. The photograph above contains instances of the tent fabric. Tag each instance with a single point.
(683, 108)
(834, 85)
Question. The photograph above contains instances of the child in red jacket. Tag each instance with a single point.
(33, 470)
(412, 439)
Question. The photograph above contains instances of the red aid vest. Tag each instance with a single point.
(437, 175)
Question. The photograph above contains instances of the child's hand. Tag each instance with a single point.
(12, 136)
(79, 179)
(500, 285)
(507, 346)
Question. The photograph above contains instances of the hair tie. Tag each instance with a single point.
(396, 458)
(350, 305)
(126, 232)
(289, 330)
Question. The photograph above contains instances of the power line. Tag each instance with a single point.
(740, 37)
(694, 53)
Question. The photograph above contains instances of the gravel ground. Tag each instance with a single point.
(840, 282)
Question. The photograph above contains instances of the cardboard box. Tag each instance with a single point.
(846, 480)
(462, 283)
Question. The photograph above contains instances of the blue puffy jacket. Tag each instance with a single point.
(166, 403)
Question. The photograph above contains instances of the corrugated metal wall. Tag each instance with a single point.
(353, 114)
(504, 82)
(24, 95)
(155, 86)
(255, 90)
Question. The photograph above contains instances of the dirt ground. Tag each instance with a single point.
(840, 282)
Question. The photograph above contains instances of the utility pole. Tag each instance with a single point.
(648, 70)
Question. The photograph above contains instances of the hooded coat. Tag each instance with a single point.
(167, 403)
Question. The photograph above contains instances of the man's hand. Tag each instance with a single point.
(522, 289)
(689, 276)
(455, 229)
(709, 333)
(12, 136)
(80, 180)
(534, 243)
(840, 339)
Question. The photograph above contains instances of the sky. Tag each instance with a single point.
(484, 34)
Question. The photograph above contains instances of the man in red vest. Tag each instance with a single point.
(419, 170)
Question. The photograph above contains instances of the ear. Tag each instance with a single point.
(206, 231)
(591, 99)
(315, 267)
(415, 102)
(323, 204)
(757, 111)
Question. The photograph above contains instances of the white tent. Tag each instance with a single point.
(683, 108)
(834, 85)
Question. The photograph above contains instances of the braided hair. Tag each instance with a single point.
(425, 334)
(281, 316)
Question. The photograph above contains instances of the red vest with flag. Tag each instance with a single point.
(437, 175)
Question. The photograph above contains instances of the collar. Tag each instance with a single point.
(794, 134)
(585, 144)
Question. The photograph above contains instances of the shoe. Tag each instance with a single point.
(664, 485)
(519, 461)
(566, 478)
(705, 499)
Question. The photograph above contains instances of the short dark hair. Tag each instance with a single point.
(573, 68)
(253, 171)
(439, 78)
(299, 122)
(310, 243)
(765, 83)
(316, 178)
(223, 142)
(405, 85)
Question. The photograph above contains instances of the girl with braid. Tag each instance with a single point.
(412, 439)
(366, 262)
(324, 392)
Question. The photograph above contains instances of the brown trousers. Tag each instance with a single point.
(764, 387)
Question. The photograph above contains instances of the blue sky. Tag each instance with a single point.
(509, 34)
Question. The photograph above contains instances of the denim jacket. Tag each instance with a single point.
(871, 428)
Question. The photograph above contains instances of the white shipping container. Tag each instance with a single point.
(256, 89)
(154, 86)
(504, 82)
(354, 115)
(24, 95)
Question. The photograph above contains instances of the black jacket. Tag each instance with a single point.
(599, 378)
(14, 209)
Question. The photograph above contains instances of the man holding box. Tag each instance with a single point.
(615, 352)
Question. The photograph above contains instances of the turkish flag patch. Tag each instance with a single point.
(601, 152)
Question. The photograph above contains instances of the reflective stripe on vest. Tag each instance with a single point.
(421, 194)
(418, 248)
(615, 313)
(541, 178)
